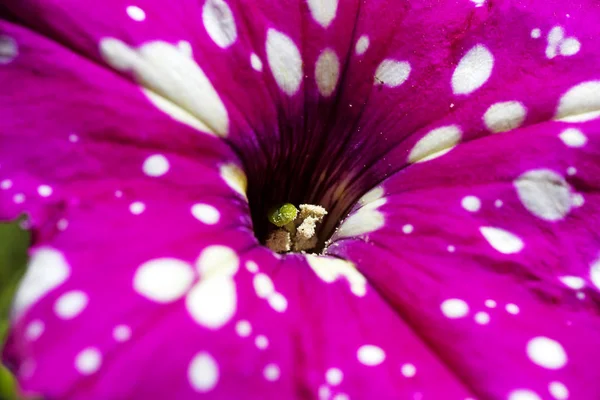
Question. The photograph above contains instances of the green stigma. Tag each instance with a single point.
(283, 214)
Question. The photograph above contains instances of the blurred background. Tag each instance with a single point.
(14, 242)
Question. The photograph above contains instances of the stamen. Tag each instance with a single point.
(299, 232)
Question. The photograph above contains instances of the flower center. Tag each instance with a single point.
(293, 230)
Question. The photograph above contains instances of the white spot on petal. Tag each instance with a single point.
(334, 376)
(580, 103)
(263, 285)
(365, 220)
(544, 193)
(408, 370)
(70, 304)
(44, 190)
(163, 279)
(212, 301)
(471, 203)
(370, 355)
(261, 342)
(362, 44)
(501, 240)
(285, 61)
(392, 73)
(256, 62)
(323, 11)
(252, 267)
(121, 333)
(6, 184)
(330, 269)
(595, 273)
(234, 177)
(47, 269)
(408, 229)
(505, 116)
(156, 165)
(546, 353)
(19, 198)
(136, 13)
(271, 372)
(219, 23)
(243, 328)
(137, 207)
(490, 303)
(88, 361)
(573, 282)
(203, 372)
(523, 394)
(217, 260)
(8, 49)
(558, 390)
(327, 72)
(569, 47)
(512, 309)
(278, 302)
(34, 330)
(573, 137)
(482, 318)
(435, 143)
(473, 70)
(454, 308)
(206, 213)
(536, 33)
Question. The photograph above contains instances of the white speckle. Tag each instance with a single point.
(331, 269)
(88, 361)
(407, 229)
(571, 171)
(323, 11)
(261, 342)
(498, 203)
(580, 295)
(505, 116)
(370, 355)
(523, 394)
(546, 353)
(172, 81)
(544, 193)
(252, 267)
(536, 33)
(203, 372)
(435, 143)
(558, 390)
(47, 269)
(256, 63)
(482, 318)
(278, 302)
(595, 273)
(555, 36)
(473, 70)
(62, 224)
(243, 328)
(163, 279)
(569, 47)
(8, 49)
(206, 213)
(70, 304)
(341, 396)
(235, 178)
(362, 44)
(219, 23)
(471, 203)
(136, 13)
(121, 333)
(573, 137)
(489, 303)
(501, 240)
(451, 249)
(118, 194)
(366, 220)
(271, 372)
(573, 282)
(324, 392)
(580, 103)
(18, 198)
(327, 72)
(34, 330)
(392, 73)
(137, 207)
(156, 165)
(478, 3)
(408, 370)
(44, 190)
(6, 184)
(212, 302)
(73, 138)
(512, 308)
(285, 61)
(577, 200)
(334, 376)
(217, 260)
(263, 285)
(454, 308)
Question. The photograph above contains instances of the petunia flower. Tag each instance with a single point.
(453, 144)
